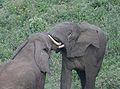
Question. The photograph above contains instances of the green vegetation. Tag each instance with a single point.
(19, 18)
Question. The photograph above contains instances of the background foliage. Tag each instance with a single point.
(19, 18)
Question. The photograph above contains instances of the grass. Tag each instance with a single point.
(19, 18)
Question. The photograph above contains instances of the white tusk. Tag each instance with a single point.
(54, 41)
(61, 46)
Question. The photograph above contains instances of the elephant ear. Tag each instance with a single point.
(42, 55)
(19, 49)
(86, 38)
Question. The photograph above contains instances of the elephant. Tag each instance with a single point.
(83, 51)
(29, 64)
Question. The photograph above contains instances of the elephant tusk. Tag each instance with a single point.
(61, 46)
(54, 41)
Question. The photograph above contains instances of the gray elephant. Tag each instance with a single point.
(84, 49)
(29, 66)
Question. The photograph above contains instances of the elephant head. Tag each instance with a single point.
(76, 38)
(41, 45)
(66, 33)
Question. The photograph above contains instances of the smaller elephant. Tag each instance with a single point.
(84, 49)
(29, 66)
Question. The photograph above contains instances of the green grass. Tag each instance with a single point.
(19, 18)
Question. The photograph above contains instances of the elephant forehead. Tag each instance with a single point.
(65, 28)
(60, 31)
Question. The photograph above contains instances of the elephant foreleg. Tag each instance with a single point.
(90, 82)
(91, 67)
(41, 81)
(82, 77)
(65, 77)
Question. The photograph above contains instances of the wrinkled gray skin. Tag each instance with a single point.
(30, 64)
(84, 50)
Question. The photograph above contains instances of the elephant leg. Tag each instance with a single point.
(41, 81)
(65, 77)
(91, 67)
(82, 77)
(90, 82)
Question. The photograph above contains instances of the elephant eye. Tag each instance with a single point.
(46, 50)
(70, 34)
